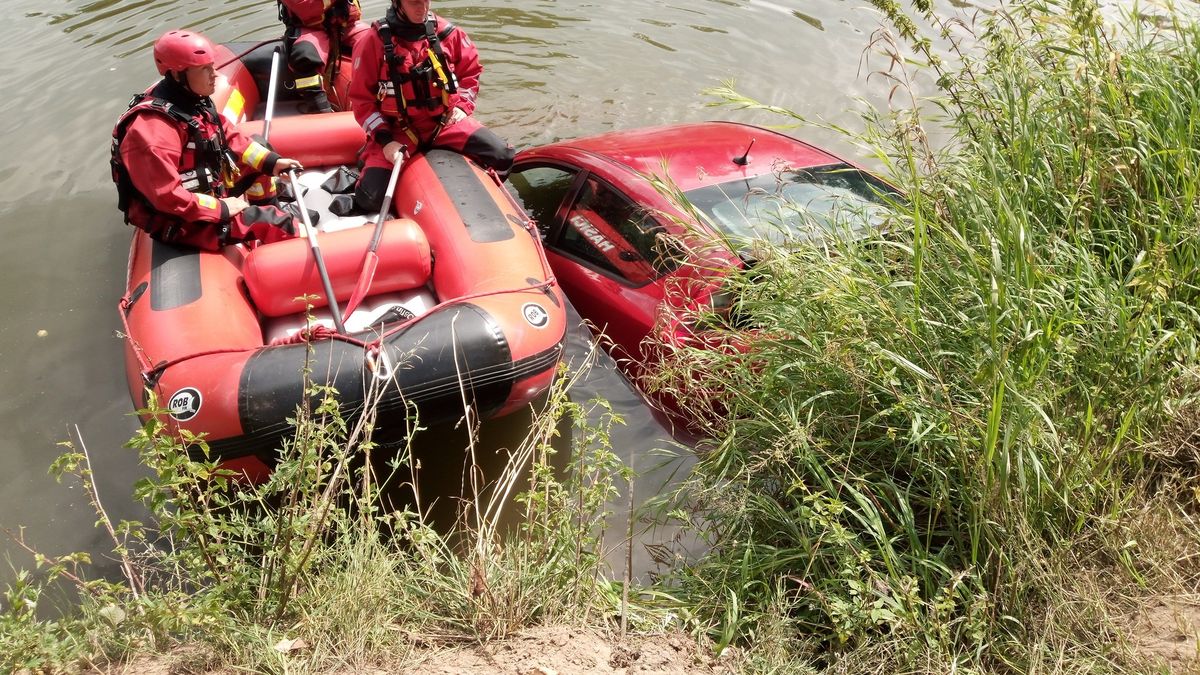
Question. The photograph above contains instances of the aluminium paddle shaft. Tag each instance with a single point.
(271, 95)
(371, 259)
(311, 234)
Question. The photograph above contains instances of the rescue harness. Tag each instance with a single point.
(433, 71)
(338, 14)
(215, 171)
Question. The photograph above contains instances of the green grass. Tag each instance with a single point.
(931, 426)
(322, 554)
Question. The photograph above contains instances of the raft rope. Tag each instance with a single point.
(478, 378)
(239, 56)
(151, 372)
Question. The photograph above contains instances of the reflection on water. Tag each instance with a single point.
(553, 70)
(446, 477)
(442, 479)
(815, 23)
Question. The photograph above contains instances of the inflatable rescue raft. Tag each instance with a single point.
(462, 309)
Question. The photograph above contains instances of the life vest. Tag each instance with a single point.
(340, 14)
(420, 73)
(336, 21)
(206, 166)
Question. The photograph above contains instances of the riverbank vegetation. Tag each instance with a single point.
(333, 562)
(966, 443)
(970, 441)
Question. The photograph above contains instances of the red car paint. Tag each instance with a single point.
(619, 292)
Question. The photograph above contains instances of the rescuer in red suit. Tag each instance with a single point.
(436, 69)
(177, 161)
(317, 33)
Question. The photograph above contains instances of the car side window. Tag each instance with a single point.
(611, 232)
(541, 190)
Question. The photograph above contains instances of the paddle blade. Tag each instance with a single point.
(364, 282)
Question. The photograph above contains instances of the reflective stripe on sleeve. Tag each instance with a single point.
(207, 201)
(373, 122)
(254, 155)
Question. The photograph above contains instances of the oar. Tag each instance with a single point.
(372, 260)
(311, 233)
(247, 180)
(271, 94)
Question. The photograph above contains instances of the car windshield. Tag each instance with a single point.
(796, 206)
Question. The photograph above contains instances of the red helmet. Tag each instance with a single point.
(179, 50)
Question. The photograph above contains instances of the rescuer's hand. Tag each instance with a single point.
(235, 205)
(456, 115)
(284, 164)
(393, 152)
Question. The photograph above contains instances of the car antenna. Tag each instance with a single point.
(745, 158)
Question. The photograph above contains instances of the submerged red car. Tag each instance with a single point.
(603, 202)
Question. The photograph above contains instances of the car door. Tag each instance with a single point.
(602, 247)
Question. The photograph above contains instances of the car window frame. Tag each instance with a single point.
(555, 231)
(552, 229)
(570, 203)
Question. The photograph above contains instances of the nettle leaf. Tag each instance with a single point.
(113, 614)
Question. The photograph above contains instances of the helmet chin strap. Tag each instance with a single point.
(177, 90)
(181, 79)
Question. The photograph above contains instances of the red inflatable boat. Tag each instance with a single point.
(462, 307)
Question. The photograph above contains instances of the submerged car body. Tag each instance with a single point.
(603, 204)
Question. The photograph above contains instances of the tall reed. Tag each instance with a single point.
(923, 421)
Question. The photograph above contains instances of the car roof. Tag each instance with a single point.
(696, 154)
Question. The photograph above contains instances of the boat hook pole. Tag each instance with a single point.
(311, 234)
(271, 95)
